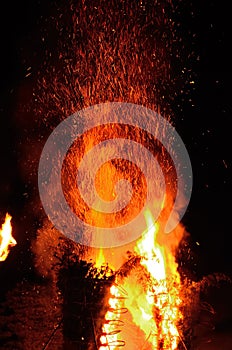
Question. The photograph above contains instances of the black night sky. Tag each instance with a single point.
(204, 127)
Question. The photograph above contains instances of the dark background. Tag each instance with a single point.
(204, 127)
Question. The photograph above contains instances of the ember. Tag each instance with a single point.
(6, 239)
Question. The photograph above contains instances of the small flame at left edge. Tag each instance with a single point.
(6, 238)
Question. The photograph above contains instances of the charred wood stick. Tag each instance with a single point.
(52, 335)
(129, 265)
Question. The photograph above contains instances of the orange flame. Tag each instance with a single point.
(6, 239)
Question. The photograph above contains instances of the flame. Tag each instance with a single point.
(153, 295)
(100, 261)
(6, 239)
(160, 302)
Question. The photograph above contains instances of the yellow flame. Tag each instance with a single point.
(6, 239)
(155, 306)
(100, 260)
(153, 293)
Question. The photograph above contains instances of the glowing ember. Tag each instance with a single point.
(153, 295)
(6, 239)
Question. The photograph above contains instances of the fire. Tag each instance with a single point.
(162, 294)
(110, 338)
(6, 239)
(118, 60)
(153, 295)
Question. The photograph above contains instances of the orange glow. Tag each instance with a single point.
(6, 239)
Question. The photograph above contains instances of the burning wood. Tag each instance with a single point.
(6, 238)
(112, 327)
